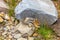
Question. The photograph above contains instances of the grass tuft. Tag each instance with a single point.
(12, 4)
(45, 31)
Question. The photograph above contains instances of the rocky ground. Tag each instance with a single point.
(13, 29)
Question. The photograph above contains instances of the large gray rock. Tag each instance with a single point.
(43, 10)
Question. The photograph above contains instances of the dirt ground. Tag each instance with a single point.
(56, 26)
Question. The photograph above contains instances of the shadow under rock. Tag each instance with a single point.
(56, 27)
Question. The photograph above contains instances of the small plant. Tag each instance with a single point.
(45, 31)
(12, 4)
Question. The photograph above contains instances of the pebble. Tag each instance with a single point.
(17, 36)
(8, 27)
(2, 14)
(12, 19)
(5, 28)
(4, 33)
(22, 38)
(5, 36)
(7, 17)
(1, 19)
(10, 36)
(23, 28)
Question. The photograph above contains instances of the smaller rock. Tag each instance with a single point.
(10, 36)
(1, 19)
(17, 36)
(23, 28)
(30, 38)
(9, 33)
(12, 19)
(7, 17)
(3, 4)
(5, 36)
(22, 39)
(4, 33)
(8, 27)
(9, 39)
(12, 29)
(2, 14)
(5, 28)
